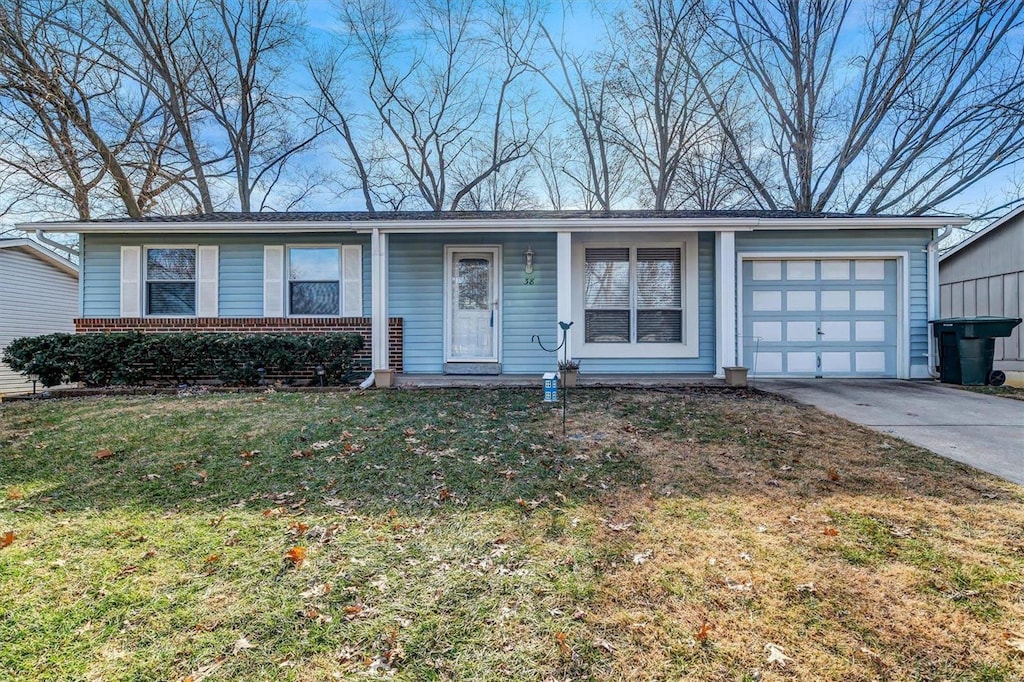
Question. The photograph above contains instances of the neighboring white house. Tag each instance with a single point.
(984, 275)
(38, 295)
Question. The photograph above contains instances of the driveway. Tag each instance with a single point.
(984, 431)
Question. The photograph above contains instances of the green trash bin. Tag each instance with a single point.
(967, 347)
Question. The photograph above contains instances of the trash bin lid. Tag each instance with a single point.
(977, 326)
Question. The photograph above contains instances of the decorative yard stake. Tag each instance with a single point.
(564, 347)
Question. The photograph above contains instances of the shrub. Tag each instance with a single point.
(133, 358)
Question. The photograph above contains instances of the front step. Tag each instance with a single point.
(486, 368)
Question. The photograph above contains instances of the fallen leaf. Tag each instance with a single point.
(704, 632)
(316, 591)
(618, 527)
(7, 538)
(830, 531)
(776, 654)
(296, 555)
(833, 475)
(15, 494)
(103, 454)
(805, 587)
(205, 671)
(562, 646)
(1014, 641)
(298, 528)
(641, 558)
(242, 643)
(212, 558)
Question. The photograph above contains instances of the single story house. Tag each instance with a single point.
(984, 275)
(38, 295)
(783, 293)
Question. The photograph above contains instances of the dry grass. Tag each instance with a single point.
(671, 535)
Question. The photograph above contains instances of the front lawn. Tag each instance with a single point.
(697, 534)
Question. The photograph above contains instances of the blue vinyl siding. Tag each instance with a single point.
(101, 276)
(820, 242)
(705, 362)
(416, 294)
(240, 292)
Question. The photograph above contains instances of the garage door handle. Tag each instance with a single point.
(821, 333)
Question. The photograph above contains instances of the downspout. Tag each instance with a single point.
(932, 251)
(43, 239)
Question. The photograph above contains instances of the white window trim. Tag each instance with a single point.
(687, 243)
(144, 281)
(902, 258)
(286, 301)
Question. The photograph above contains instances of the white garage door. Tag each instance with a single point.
(820, 318)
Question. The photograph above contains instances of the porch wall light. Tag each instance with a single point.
(528, 260)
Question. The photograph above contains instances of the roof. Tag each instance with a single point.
(982, 234)
(447, 221)
(42, 253)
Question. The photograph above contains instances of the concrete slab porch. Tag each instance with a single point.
(534, 381)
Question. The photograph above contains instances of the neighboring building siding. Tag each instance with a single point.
(987, 278)
(416, 294)
(241, 268)
(35, 298)
(821, 243)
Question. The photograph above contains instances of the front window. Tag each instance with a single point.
(314, 281)
(170, 281)
(633, 295)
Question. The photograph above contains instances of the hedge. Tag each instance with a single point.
(134, 358)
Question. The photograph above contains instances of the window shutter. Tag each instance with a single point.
(352, 280)
(207, 279)
(131, 281)
(273, 281)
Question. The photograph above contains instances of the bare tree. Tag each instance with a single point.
(83, 135)
(156, 49)
(663, 120)
(581, 85)
(54, 98)
(446, 95)
(933, 106)
(251, 44)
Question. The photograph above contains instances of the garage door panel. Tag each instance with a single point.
(821, 317)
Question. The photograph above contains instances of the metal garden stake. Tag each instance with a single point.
(564, 347)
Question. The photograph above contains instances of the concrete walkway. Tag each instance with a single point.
(984, 431)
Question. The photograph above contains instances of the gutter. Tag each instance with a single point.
(518, 225)
(932, 251)
(43, 239)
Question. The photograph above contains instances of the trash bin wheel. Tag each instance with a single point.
(996, 378)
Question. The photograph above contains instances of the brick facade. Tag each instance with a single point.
(255, 325)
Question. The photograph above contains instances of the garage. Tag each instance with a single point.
(820, 317)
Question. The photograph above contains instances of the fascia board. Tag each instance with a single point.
(42, 253)
(981, 234)
(510, 225)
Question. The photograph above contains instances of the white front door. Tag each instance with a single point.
(472, 311)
